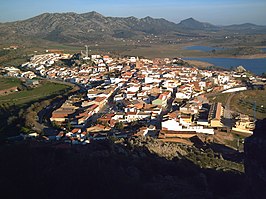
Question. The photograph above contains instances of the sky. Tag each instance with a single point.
(217, 12)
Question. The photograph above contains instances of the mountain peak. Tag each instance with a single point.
(148, 17)
(191, 23)
(92, 14)
(190, 19)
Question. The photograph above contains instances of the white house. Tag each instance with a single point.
(172, 125)
(148, 80)
(181, 95)
(132, 59)
(133, 89)
(223, 79)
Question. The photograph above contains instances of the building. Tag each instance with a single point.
(244, 124)
(160, 101)
(215, 115)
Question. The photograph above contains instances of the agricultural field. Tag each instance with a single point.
(13, 57)
(244, 102)
(15, 106)
(7, 82)
(21, 98)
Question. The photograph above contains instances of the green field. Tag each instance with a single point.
(244, 102)
(222, 97)
(21, 98)
(8, 82)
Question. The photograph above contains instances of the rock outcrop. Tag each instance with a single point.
(240, 69)
(255, 161)
(133, 168)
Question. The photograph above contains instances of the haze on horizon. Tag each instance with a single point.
(220, 12)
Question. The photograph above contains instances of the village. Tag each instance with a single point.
(132, 97)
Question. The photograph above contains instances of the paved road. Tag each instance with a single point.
(229, 99)
(227, 110)
(228, 120)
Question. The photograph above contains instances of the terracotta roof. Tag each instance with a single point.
(161, 96)
(58, 115)
(60, 133)
(99, 99)
(75, 130)
(177, 132)
(218, 111)
(131, 113)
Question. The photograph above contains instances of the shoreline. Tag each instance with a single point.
(256, 56)
(204, 65)
(197, 63)
(205, 62)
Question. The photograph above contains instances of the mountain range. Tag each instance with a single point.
(92, 26)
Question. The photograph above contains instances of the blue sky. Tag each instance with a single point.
(218, 12)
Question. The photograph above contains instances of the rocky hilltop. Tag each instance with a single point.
(255, 161)
(134, 168)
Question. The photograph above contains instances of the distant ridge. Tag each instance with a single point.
(93, 26)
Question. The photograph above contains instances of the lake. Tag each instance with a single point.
(257, 66)
(203, 48)
(263, 49)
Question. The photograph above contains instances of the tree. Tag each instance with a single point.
(68, 126)
(119, 125)
(30, 119)
(11, 119)
(44, 103)
(55, 125)
(25, 130)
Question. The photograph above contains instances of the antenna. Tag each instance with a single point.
(254, 110)
(86, 54)
(87, 51)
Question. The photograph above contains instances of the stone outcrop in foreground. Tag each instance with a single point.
(255, 161)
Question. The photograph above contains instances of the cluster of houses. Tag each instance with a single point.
(15, 72)
(78, 110)
(135, 97)
(45, 60)
(164, 100)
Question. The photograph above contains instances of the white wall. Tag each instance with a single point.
(235, 90)
(171, 125)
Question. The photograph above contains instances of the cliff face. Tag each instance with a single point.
(255, 161)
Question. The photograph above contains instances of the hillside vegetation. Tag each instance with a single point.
(135, 168)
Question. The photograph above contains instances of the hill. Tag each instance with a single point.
(247, 28)
(72, 27)
(135, 168)
(193, 24)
